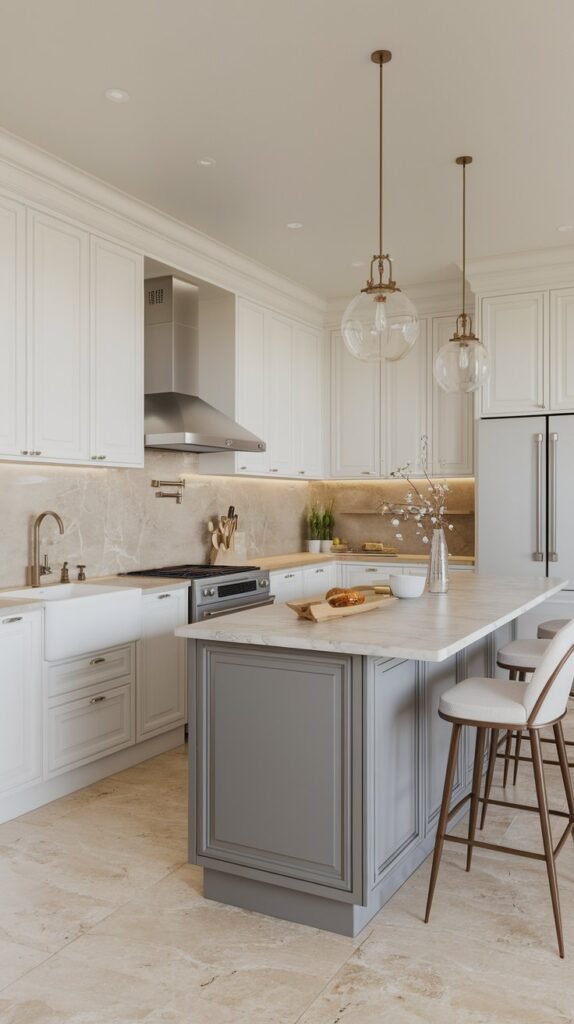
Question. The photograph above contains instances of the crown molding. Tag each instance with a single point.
(518, 271)
(37, 177)
(440, 298)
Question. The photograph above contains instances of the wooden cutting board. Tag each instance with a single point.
(319, 610)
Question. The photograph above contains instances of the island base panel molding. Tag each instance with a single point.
(316, 911)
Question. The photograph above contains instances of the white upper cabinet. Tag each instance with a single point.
(451, 435)
(250, 407)
(58, 325)
(12, 327)
(117, 354)
(279, 395)
(562, 349)
(308, 401)
(278, 364)
(355, 414)
(514, 332)
(404, 386)
(71, 343)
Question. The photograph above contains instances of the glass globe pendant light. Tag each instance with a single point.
(462, 363)
(381, 322)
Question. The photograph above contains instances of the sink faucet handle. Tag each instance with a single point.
(45, 568)
(81, 574)
(64, 574)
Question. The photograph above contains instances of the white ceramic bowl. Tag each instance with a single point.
(407, 586)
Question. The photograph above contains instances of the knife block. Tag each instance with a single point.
(236, 554)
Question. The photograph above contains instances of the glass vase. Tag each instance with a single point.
(437, 576)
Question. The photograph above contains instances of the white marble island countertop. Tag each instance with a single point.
(430, 628)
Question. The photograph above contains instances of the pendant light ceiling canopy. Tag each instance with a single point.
(381, 322)
(462, 363)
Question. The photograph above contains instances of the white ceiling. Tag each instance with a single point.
(284, 97)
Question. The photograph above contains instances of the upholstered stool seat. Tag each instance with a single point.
(486, 700)
(514, 705)
(524, 655)
(548, 630)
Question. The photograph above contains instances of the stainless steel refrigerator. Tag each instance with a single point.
(525, 497)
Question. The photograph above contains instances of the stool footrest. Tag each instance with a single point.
(567, 831)
(493, 846)
(521, 807)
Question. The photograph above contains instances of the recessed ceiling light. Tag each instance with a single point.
(206, 161)
(358, 263)
(117, 95)
(566, 227)
(294, 225)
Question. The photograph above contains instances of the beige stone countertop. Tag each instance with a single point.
(299, 559)
(11, 606)
(148, 584)
(429, 628)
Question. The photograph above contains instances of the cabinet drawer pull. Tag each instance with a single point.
(273, 470)
(97, 661)
(319, 570)
(302, 472)
(97, 700)
(25, 451)
(161, 597)
(365, 472)
(243, 467)
(371, 570)
(289, 575)
(14, 618)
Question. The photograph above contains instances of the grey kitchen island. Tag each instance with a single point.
(316, 752)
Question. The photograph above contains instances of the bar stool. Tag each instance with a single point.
(487, 704)
(520, 657)
(547, 630)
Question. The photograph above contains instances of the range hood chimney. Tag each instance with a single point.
(175, 417)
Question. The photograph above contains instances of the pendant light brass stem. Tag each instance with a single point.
(465, 321)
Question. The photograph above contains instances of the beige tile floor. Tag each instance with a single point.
(101, 920)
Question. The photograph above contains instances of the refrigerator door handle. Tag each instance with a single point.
(552, 498)
(538, 555)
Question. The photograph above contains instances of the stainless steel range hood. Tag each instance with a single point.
(176, 418)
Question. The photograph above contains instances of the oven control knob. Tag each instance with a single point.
(212, 591)
(263, 583)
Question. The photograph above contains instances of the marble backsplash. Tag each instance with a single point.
(351, 500)
(113, 521)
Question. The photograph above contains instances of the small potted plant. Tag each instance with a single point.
(314, 526)
(327, 529)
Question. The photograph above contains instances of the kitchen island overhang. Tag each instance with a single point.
(316, 751)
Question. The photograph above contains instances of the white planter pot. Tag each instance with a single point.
(326, 546)
(314, 546)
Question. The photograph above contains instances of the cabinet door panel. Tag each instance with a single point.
(355, 414)
(117, 362)
(562, 349)
(85, 729)
(161, 675)
(279, 395)
(317, 579)
(12, 328)
(58, 281)
(20, 700)
(251, 376)
(308, 401)
(513, 331)
(438, 677)
(287, 586)
(452, 419)
(404, 407)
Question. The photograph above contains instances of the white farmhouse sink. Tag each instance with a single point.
(84, 617)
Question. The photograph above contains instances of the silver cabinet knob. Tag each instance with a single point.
(97, 700)
(25, 452)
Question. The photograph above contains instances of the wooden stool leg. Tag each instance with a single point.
(517, 756)
(565, 770)
(507, 751)
(443, 817)
(476, 780)
(546, 834)
(489, 773)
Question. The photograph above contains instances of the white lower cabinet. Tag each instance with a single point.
(161, 678)
(367, 575)
(317, 579)
(90, 707)
(20, 700)
(286, 586)
(90, 727)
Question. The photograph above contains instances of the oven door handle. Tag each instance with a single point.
(239, 608)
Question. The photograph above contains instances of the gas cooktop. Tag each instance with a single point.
(192, 572)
